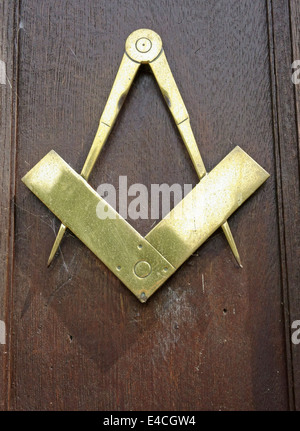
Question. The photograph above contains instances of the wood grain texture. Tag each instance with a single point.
(295, 26)
(286, 22)
(214, 337)
(8, 12)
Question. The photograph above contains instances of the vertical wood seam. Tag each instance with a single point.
(282, 217)
(10, 263)
(278, 181)
(297, 113)
(296, 385)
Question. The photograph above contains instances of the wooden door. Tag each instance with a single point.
(214, 337)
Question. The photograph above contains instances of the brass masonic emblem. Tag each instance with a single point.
(144, 264)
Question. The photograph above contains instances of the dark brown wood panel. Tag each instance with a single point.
(8, 67)
(291, 175)
(215, 336)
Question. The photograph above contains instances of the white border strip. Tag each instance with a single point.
(2, 72)
(2, 332)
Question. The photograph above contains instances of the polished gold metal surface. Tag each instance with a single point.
(144, 264)
(207, 206)
(145, 46)
(120, 247)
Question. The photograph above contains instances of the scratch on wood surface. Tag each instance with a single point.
(26, 304)
(155, 221)
(72, 51)
(63, 259)
(51, 225)
(57, 290)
